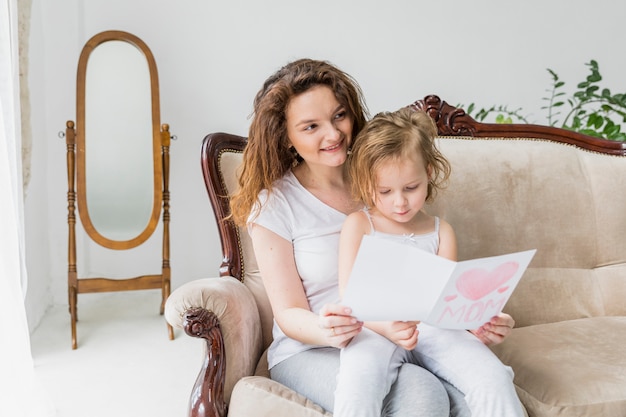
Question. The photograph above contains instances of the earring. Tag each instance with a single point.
(296, 156)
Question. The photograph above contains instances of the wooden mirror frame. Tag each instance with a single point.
(81, 143)
(76, 144)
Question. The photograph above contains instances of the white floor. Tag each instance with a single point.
(125, 364)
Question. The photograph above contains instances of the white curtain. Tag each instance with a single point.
(19, 392)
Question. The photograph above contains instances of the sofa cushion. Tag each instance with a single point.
(548, 295)
(569, 368)
(262, 368)
(262, 397)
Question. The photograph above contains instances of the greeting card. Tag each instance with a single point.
(395, 281)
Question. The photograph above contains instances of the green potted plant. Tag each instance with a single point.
(590, 109)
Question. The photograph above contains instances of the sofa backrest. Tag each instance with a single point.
(517, 187)
(508, 195)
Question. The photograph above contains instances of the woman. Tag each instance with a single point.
(294, 196)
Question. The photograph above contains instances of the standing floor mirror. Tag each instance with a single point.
(117, 163)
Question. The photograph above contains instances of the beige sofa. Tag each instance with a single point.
(513, 187)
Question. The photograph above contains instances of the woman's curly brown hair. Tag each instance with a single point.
(267, 157)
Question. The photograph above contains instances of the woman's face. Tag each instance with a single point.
(319, 127)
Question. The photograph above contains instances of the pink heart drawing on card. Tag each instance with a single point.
(477, 283)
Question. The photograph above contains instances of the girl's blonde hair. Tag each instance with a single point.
(390, 136)
(267, 156)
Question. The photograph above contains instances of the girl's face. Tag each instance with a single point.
(319, 127)
(402, 188)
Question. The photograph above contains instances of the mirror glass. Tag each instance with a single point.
(119, 145)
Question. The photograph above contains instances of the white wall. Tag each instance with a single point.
(213, 56)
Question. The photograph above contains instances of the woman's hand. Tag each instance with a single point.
(338, 325)
(496, 330)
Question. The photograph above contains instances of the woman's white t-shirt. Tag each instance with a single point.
(313, 228)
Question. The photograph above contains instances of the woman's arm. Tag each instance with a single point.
(334, 326)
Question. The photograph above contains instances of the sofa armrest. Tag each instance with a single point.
(224, 313)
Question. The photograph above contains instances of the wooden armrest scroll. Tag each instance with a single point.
(207, 396)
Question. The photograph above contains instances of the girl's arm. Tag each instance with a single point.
(334, 326)
(447, 241)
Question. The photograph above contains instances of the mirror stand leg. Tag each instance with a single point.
(70, 138)
(166, 271)
(164, 295)
(73, 315)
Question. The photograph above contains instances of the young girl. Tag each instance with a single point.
(395, 169)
